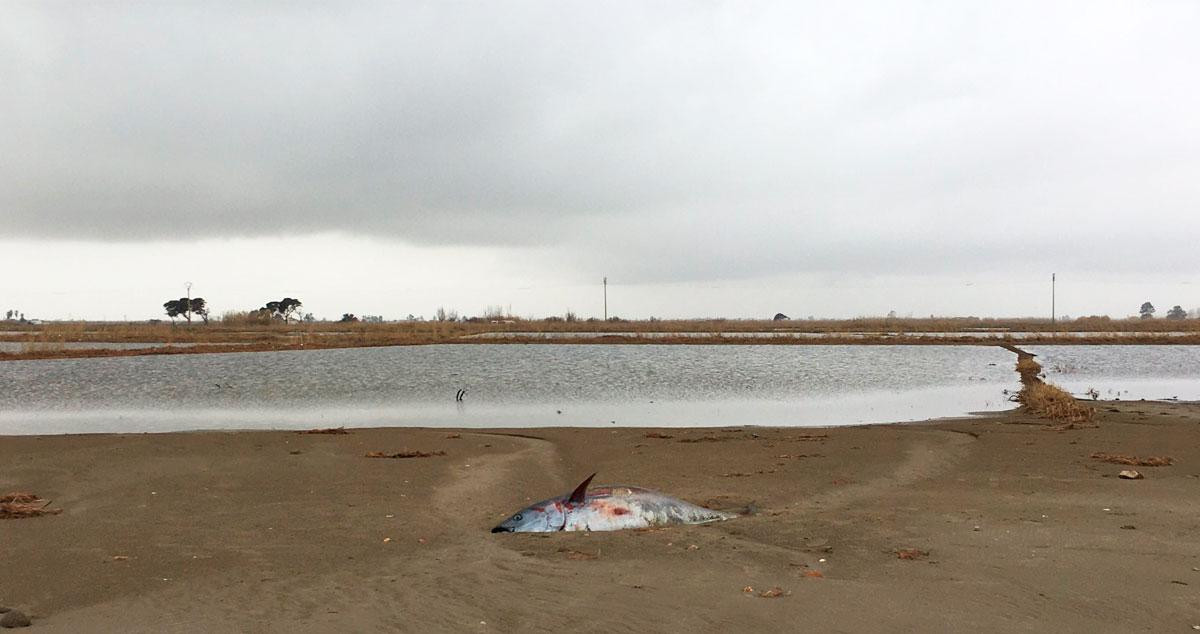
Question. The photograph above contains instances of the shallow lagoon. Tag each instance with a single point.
(515, 385)
(507, 385)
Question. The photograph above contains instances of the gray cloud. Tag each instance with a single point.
(678, 140)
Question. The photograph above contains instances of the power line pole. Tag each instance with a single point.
(1053, 311)
(606, 298)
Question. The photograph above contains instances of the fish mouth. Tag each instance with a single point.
(501, 529)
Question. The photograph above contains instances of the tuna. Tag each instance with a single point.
(607, 508)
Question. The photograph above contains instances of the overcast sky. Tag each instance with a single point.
(712, 159)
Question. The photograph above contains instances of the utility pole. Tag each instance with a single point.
(606, 298)
(1053, 312)
(189, 302)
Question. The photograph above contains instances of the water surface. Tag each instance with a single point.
(1124, 371)
(508, 385)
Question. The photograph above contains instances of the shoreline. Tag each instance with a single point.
(1007, 518)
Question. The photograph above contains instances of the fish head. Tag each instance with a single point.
(548, 515)
(543, 517)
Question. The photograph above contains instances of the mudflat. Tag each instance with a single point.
(1002, 523)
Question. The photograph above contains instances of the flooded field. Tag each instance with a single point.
(563, 385)
(1124, 372)
(789, 334)
(507, 385)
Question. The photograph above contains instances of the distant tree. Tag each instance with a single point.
(200, 307)
(176, 308)
(185, 307)
(1177, 312)
(1147, 310)
(780, 317)
(347, 317)
(8, 315)
(283, 309)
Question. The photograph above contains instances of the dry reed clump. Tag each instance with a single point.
(1053, 402)
(1027, 366)
(1134, 461)
(405, 454)
(22, 505)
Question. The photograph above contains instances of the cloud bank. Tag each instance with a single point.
(663, 141)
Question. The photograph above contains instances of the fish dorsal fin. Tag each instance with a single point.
(580, 491)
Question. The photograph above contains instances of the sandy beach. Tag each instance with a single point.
(1012, 526)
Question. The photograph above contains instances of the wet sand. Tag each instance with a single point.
(281, 532)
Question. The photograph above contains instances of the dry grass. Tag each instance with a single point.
(1026, 365)
(1053, 402)
(252, 333)
(1045, 399)
(23, 505)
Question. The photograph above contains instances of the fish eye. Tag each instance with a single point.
(517, 517)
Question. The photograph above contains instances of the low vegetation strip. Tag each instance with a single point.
(1046, 399)
(49, 341)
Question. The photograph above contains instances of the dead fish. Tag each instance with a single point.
(607, 508)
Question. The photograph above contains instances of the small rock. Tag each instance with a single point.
(1128, 527)
(1130, 474)
(15, 618)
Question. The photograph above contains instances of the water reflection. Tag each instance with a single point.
(508, 385)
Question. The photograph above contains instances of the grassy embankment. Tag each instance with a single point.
(47, 340)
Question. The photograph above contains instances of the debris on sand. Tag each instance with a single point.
(405, 454)
(708, 439)
(1134, 461)
(814, 574)
(15, 618)
(911, 554)
(22, 505)
(326, 430)
(1130, 474)
(773, 593)
(453, 435)
(808, 438)
(656, 434)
